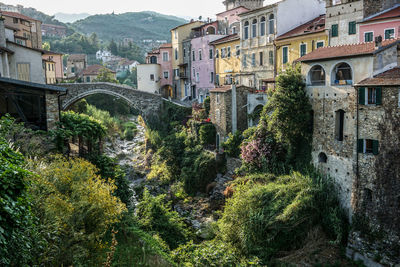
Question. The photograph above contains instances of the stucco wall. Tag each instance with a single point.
(166, 66)
(227, 66)
(378, 29)
(144, 82)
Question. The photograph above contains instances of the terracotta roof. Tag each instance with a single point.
(393, 12)
(387, 78)
(221, 89)
(17, 15)
(94, 70)
(232, 37)
(76, 57)
(346, 50)
(313, 26)
(169, 45)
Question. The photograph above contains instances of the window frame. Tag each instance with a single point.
(352, 27)
(335, 33)
(283, 55)
(254, 26)
(246, 30)
(165, 59)
(167, 76)
(262, 31)
(253, 59)
(200, 54)
(300, 49)
(319, 82)
(365, 34)
(318, 42)
(228, 52)
(394, 33)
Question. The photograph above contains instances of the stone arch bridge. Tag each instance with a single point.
(148, 104)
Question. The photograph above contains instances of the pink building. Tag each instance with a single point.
(385, 24)
(202, 65)
(230, 21)
(163, 57)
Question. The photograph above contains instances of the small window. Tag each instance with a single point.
(166, 74)
(303, 50)
(165, 56)
(210, 54)
(271, 57)
(211, 77)
(352, 28)
(73, 70)
(368, 37)
(217, 98)
(253, 59)
(223, 52)
(262, 26)
(229, 51)
(176, 54)
(285, 55)
(389, 34)
(339, 127)
(254, 28)
(370, 96)
(335, 30)
(261, 58)
(200, 54)
(368, 146)
(246, 30)
(317, 76)
(88, 79)
(322, 158)
(237, 51)
(151, 77)
(197, 77)
(193, 55)
(216, 53)
(271, 23)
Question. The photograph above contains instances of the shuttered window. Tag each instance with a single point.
(368, 146)
(352, 27)
(303, 50)
(285, 55)
(335, 30)
(370, 96)
(24, 73)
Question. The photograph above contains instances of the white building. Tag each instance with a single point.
(104, 55)
(148, 76)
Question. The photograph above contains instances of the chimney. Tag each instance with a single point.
(2, 32)
(378, 42)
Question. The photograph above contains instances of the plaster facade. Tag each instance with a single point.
(149, 79)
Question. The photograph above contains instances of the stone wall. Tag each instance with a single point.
(52, 110)
(221, 112)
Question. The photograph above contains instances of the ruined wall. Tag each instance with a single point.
(221, 112)
(52, 110)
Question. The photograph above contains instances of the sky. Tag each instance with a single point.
(182, 8)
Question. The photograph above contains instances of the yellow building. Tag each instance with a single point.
(301, 41)
(50, 71)
(227, 59)
(178, 35)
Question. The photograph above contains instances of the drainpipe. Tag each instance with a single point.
(357, 136)
(234, 109)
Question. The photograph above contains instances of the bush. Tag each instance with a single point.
(160, 172)
(207, 134)
(232, 145)
(156, 216)
(268, 214)
(199, 170)
(207, 105)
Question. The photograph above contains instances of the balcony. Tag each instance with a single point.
(183, 75)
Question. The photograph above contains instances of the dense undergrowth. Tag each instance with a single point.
(274, 204)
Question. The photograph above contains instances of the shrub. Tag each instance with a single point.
(157, 217)
(199, 171)
(232, 145)
(160, 172)
(207, 105)
(207, 134)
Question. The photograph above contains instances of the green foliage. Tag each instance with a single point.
(210, 253)
(17, 224)
(268, 214)
(76, 208)
(75, 43)
(232, 145)
(113, 105)
(287, 115)
(46, 46)
(207, 105)
(156, 216)
(161, 172)
(105, 75)
(199, 169)
(207, 134)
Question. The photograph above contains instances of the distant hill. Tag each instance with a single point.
(70, 18)
(33, 13)
(137, 25)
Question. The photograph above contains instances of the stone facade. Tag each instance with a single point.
(148, 104)
(52, 110)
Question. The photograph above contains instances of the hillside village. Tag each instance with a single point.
(347, 52)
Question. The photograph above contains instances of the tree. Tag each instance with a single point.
(113, 47)
(46, 46)
(105, 75)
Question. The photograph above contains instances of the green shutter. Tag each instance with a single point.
(335, 30)
(361, 96)
(379, 95)
(285, 55)
(352, 27)
(360, 145)
(375, 147)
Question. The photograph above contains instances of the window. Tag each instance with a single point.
(261, 58)
(184, 52)
(253, 59)
(24, 72)
(210, 54)
(368, 146)
(237, 51)
(368, 37)
(244, 61)
(176, 54)
(88, 79)
(153, 60)
(317, 76)
(254, 29)
(193, 55)
(370, 96)
(303, 50)
(223, 52)
(285, 55)
(197, 77)
(217, 80)
(165, 56)
(194, 73)
(151, 77)
(234, 30)
(200, 54)
(339, 126)
(335, 30)
(352, 27)
(217, 98)
(322, 158)
(389, 34)
(52, 67)
(176, 72)
(229, 52)
(15, 20)
(73, 70)
(320, 44)
(246, 30)
(271, 24)
(343, 74)
(211, 77)
(262, 26)
(271, 57)
(216, 53)
(166, 74)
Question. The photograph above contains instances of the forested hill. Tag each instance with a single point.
(136, 25)
(33, 13)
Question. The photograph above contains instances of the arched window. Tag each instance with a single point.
(322, 158)
(254, 29)
(317, 76)
(339, 125)
(342, 74)
(262, 26)
(271, 24)
(246, 30)
(210, 30)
